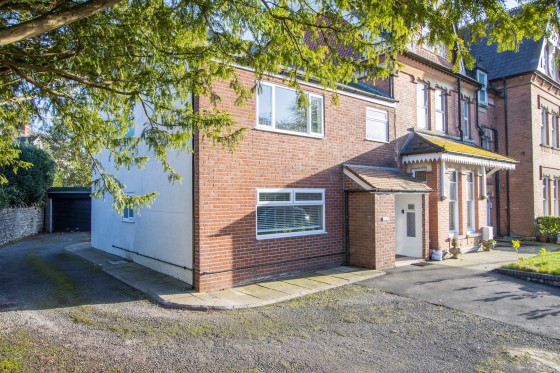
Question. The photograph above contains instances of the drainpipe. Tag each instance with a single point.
(459, 126)
(480, 132)
(506, 133)
(497, 186)
(347, 227)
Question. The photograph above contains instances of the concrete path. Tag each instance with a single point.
(467, 284)
(172, 293)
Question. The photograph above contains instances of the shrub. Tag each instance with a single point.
(28, 187)
(548, 225)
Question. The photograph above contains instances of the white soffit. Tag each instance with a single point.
(455, 158)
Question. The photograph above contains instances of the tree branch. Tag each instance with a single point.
(51, 21)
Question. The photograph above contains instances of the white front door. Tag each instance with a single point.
(408, 224)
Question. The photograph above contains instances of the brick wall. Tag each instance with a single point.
(361, 224)
(225, 189)
(16, 223)
(384, 231)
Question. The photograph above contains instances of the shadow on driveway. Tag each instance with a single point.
(532, 306)
(36, 273)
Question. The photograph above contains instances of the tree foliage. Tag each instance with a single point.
(28, 186)
(84, 66)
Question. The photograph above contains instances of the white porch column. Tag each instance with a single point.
(483, 186)
(443, 177)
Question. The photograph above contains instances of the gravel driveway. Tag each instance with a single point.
(59, 314)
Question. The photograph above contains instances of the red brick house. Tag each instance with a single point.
(527, 106)
(392, 171)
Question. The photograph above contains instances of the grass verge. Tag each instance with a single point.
(545, 262)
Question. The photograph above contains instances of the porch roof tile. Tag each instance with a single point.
(386, 180)
(423, 143)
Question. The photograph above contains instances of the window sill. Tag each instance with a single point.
(127, 221)
(300, 134)
(379, 141)
(289, 235)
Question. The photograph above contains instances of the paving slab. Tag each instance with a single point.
(173, 293)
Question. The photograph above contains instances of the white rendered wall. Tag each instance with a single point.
(162, 231)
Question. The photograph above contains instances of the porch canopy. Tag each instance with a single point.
(424, 147)
(384, 180)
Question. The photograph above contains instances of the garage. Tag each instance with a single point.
(68, 210)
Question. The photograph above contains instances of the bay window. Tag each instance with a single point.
(453, 203)
(546, 203)
(278, 109)
(471, 220)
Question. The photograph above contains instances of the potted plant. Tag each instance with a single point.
(540, 235)
(488, 245)
(455, 251)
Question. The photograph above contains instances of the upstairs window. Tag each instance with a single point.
(466, 123)
(440, 111)
(544, 127)
(278, 109)
(554, 130)
(422, 105)
(487, 138)
(482, 78)
(290, 212)
(377, 125)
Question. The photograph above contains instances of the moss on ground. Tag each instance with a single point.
(65, 289)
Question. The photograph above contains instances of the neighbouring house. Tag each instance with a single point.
(527, 106)
(393, 171)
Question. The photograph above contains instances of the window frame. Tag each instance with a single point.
(292, 202)
(546, 196)
(424, 170)
(544, 128)
(471, 210)
(484, 88)
(425, 92)
(128, 215)
(555, 141)
(555, 196)
(466, 119)
(375, 120)
(456, 201)
(272, 127)
(442, 101)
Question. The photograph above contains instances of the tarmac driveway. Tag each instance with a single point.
(469, 285)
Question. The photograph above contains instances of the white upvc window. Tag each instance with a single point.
(290, 212)
(556, 200)
(453, 202)
(128, 213)
(377, 125)
(440, 110)
(422, 105)
(466, 122)
(546, 201)
(278, 110)
(420, 174)
(554, 140)
(482, 78)
(471, 219)
(544, 127)
(551, 61)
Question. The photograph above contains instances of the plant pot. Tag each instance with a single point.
(542, 238)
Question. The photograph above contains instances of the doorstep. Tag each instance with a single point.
(172, 293)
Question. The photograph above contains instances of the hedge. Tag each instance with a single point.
(28, 187)
(548, 225)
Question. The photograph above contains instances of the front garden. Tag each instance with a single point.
(545, 262)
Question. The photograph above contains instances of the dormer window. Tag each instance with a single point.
(482, 78)
(548, 61)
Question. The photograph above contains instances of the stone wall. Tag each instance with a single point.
(16, 223)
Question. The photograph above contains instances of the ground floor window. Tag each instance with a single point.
(453, 203)
(290, 212)
(556, 200)
(471, 221)
(128, 213)
(545, 197)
